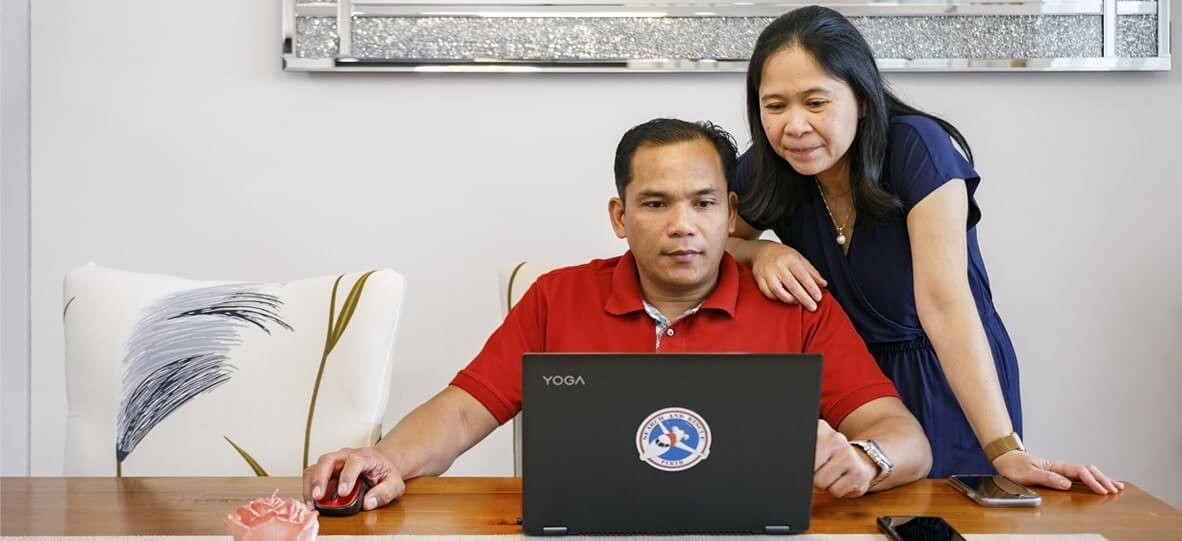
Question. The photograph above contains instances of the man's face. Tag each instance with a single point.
(676, 216)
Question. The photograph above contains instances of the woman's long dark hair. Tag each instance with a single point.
(777, 189)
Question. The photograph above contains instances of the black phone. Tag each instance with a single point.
(995, 491)
(918, 528)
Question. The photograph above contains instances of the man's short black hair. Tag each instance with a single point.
(667, 131)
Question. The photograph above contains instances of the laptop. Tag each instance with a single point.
(668, 443)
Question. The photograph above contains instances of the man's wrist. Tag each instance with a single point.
(866, 461)
(879, 462)
(395, 458)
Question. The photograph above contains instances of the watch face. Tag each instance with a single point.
(878, 457)
(876, 453)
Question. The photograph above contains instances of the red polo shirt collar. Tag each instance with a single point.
(626, 296)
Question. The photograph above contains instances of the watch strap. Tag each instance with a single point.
(1003, 445)
(880, 459)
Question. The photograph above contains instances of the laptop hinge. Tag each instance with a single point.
(554, 530)
(777, 529)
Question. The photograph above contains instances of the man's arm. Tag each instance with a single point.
(425, 442)
(888, 422)
(846, 471)
(862, 402)
(429, 439)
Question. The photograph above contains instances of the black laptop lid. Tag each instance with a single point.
(668, 443)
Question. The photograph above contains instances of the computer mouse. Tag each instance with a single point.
(333, 504)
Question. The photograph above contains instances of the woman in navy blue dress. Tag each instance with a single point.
(874, 196)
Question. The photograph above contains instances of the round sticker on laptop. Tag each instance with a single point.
(673, 439)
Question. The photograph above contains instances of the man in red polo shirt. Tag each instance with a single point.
(675, 290)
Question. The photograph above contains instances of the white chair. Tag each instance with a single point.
(514, 283)
(173, 377)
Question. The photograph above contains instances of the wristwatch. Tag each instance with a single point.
(872, 450)
(1003, 445)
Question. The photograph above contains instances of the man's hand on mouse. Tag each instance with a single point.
(347, 465)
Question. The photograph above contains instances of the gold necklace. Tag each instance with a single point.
(841, 238)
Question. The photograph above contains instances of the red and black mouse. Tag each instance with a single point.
(333, 504)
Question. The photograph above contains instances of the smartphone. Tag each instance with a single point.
(910, 528)
(995, 491)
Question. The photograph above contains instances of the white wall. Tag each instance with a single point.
(166, 138)
(14, 237)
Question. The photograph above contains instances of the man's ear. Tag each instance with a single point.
(733, 210)
(615, 211)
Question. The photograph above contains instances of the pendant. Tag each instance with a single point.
(841, 239)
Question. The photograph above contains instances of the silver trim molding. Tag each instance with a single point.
(645, 36)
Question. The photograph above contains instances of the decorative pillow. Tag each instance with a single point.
(167, 376)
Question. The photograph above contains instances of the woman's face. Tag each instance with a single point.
(809, 117)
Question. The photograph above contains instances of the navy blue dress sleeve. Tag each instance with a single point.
(741, 181)
(922, 157)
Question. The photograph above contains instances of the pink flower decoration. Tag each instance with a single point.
(273, 519)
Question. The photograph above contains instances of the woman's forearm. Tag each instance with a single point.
(956, 332)
(948, 312)
(743, 250)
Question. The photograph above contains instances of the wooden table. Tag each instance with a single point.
(492, 505)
